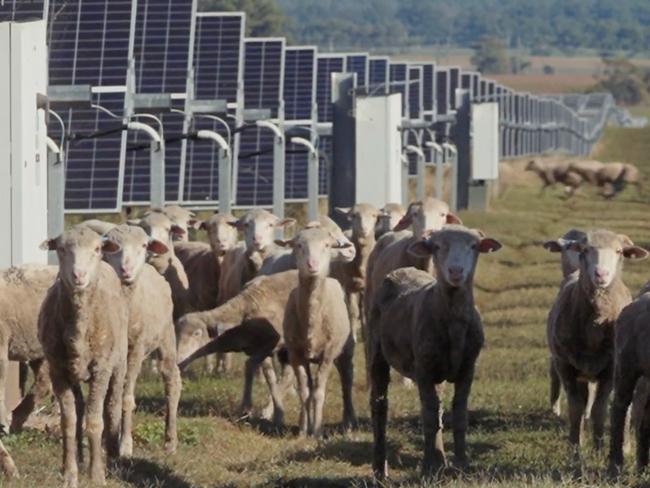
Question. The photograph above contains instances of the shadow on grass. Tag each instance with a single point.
(144, 473)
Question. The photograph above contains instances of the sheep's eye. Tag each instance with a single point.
(197, 333)
(619, 251)
(443, 214)
(474, 247)
(144, 246)
(98, 250)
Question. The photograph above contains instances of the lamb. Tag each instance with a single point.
(389, 216)
(431, 332)
(82, 326)
(317, 329)
(581, 326)
(631, 382)
(352, 276)
(150, 327)
(159, 227)
(570, 264)
(203, 262)
(182, 217)
(99, 226)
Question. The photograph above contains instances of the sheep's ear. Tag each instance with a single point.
(177, 230)
(625, 240)
(237, 224)
(343, 210)
(404, 223)
(133, 221)
(285, 222)
(453, 219)
(110, 247)
(574, 246)
(488, 244)
(194, 223)
(553, 246)
(635, 252)
(156, 247)
(283, 243)
(48, 245)
(314, 224)
(203, 225)
(421, 249)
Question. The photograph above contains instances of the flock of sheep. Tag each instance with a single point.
(610, 178)
(400, 278)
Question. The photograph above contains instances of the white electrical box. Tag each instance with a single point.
(379, 149)
(23, 151)
(485, 141)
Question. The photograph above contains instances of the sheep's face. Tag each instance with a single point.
(345, 250)
(314, 250)
(134, 244)
(181, 217)
(221, 233)
(389, 217)
(159, 227)
(455, 252)
(602, 253)
(570, 257)
(80, 251)
(258, 227)
(191, 334)
(363, 218)
(427, 216)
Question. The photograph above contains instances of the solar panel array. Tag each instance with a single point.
(415, 92)
(263, 89)
(299, 100)
(89, 44)
(218, 73)
(399, 84)
(163, 39)
(358, 63)
(21, 10)
(428, 89)
(378, 74)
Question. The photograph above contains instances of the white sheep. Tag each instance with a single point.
(151, 326)
(389, 216)
(431, 332)
(182, 217)
(83, 327)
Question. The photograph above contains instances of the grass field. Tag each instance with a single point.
(513, 438)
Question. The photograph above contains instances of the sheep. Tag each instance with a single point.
(159, 227)
(352, 276)
(150, 327)
(588, 170)
(83, 326)
(552, 172)
(182, 217)
(570, 264)
(99, 226)
(581, 326)
(317, 329)
(429, 331)
(631, 376)
(614, 177)
(22, 290)
(202, 261)
(389, 216)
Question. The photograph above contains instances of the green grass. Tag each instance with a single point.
(513, 438)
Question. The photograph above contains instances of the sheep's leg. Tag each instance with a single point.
(345, 366)
(80, 408)
(643, 439)
(434, 452)
(23, 373)
(4, 364)
(462, 390)
(277, 399)
(623, 394)
(173, 385)
(35, 395)
(599, 410)
(379, 380)
(318, 397)
(303, 391)
(95, 422)
(249, 375)
(556, 389)
(7, 463)
(66, 399)
(133, 367)
(354, 312)
(224, 362)
(113, 411)
(577, 394)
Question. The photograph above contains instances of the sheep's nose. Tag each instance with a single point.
(601, 274)
(312, 264)
(455, 272)
(79, 275)
(126, 270)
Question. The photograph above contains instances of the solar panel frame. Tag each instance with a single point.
(358, 63)
(454, 84)
(442, 91)
(78, 55)
(273, 99)
(399, 84)
(378, 74)
(22, 10)
(415, 92)
(327, 64)
(428, 90)
(163, 68)
(217, 75)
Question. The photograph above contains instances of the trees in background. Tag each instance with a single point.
(263, 17)
(627, 82)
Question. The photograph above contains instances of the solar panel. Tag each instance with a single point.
(415, 92)
(399, 83)
(163, 43)
(21, 10)
(263, 89)
(218, 75)
(454, 84)
(378, 74)
(89, 43)
(442, 91)
(428, 88)
(358, 63)
(327, 64)
(299, 100)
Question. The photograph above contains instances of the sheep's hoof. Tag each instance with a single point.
(126, 447)
(557, 409)
(98, 477)
(9, 468)
(380, 473)
(70, 481)
(268, 412)
(278, 418)
(614, 470)
(350, 423)
(170, 446)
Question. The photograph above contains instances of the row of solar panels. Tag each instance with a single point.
(121, 47)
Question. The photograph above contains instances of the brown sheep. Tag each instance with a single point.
(587, 169)
(317, 330)
(431, 332)
(151, 326)
(552, 172)
(581, 326)
(83, 327)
